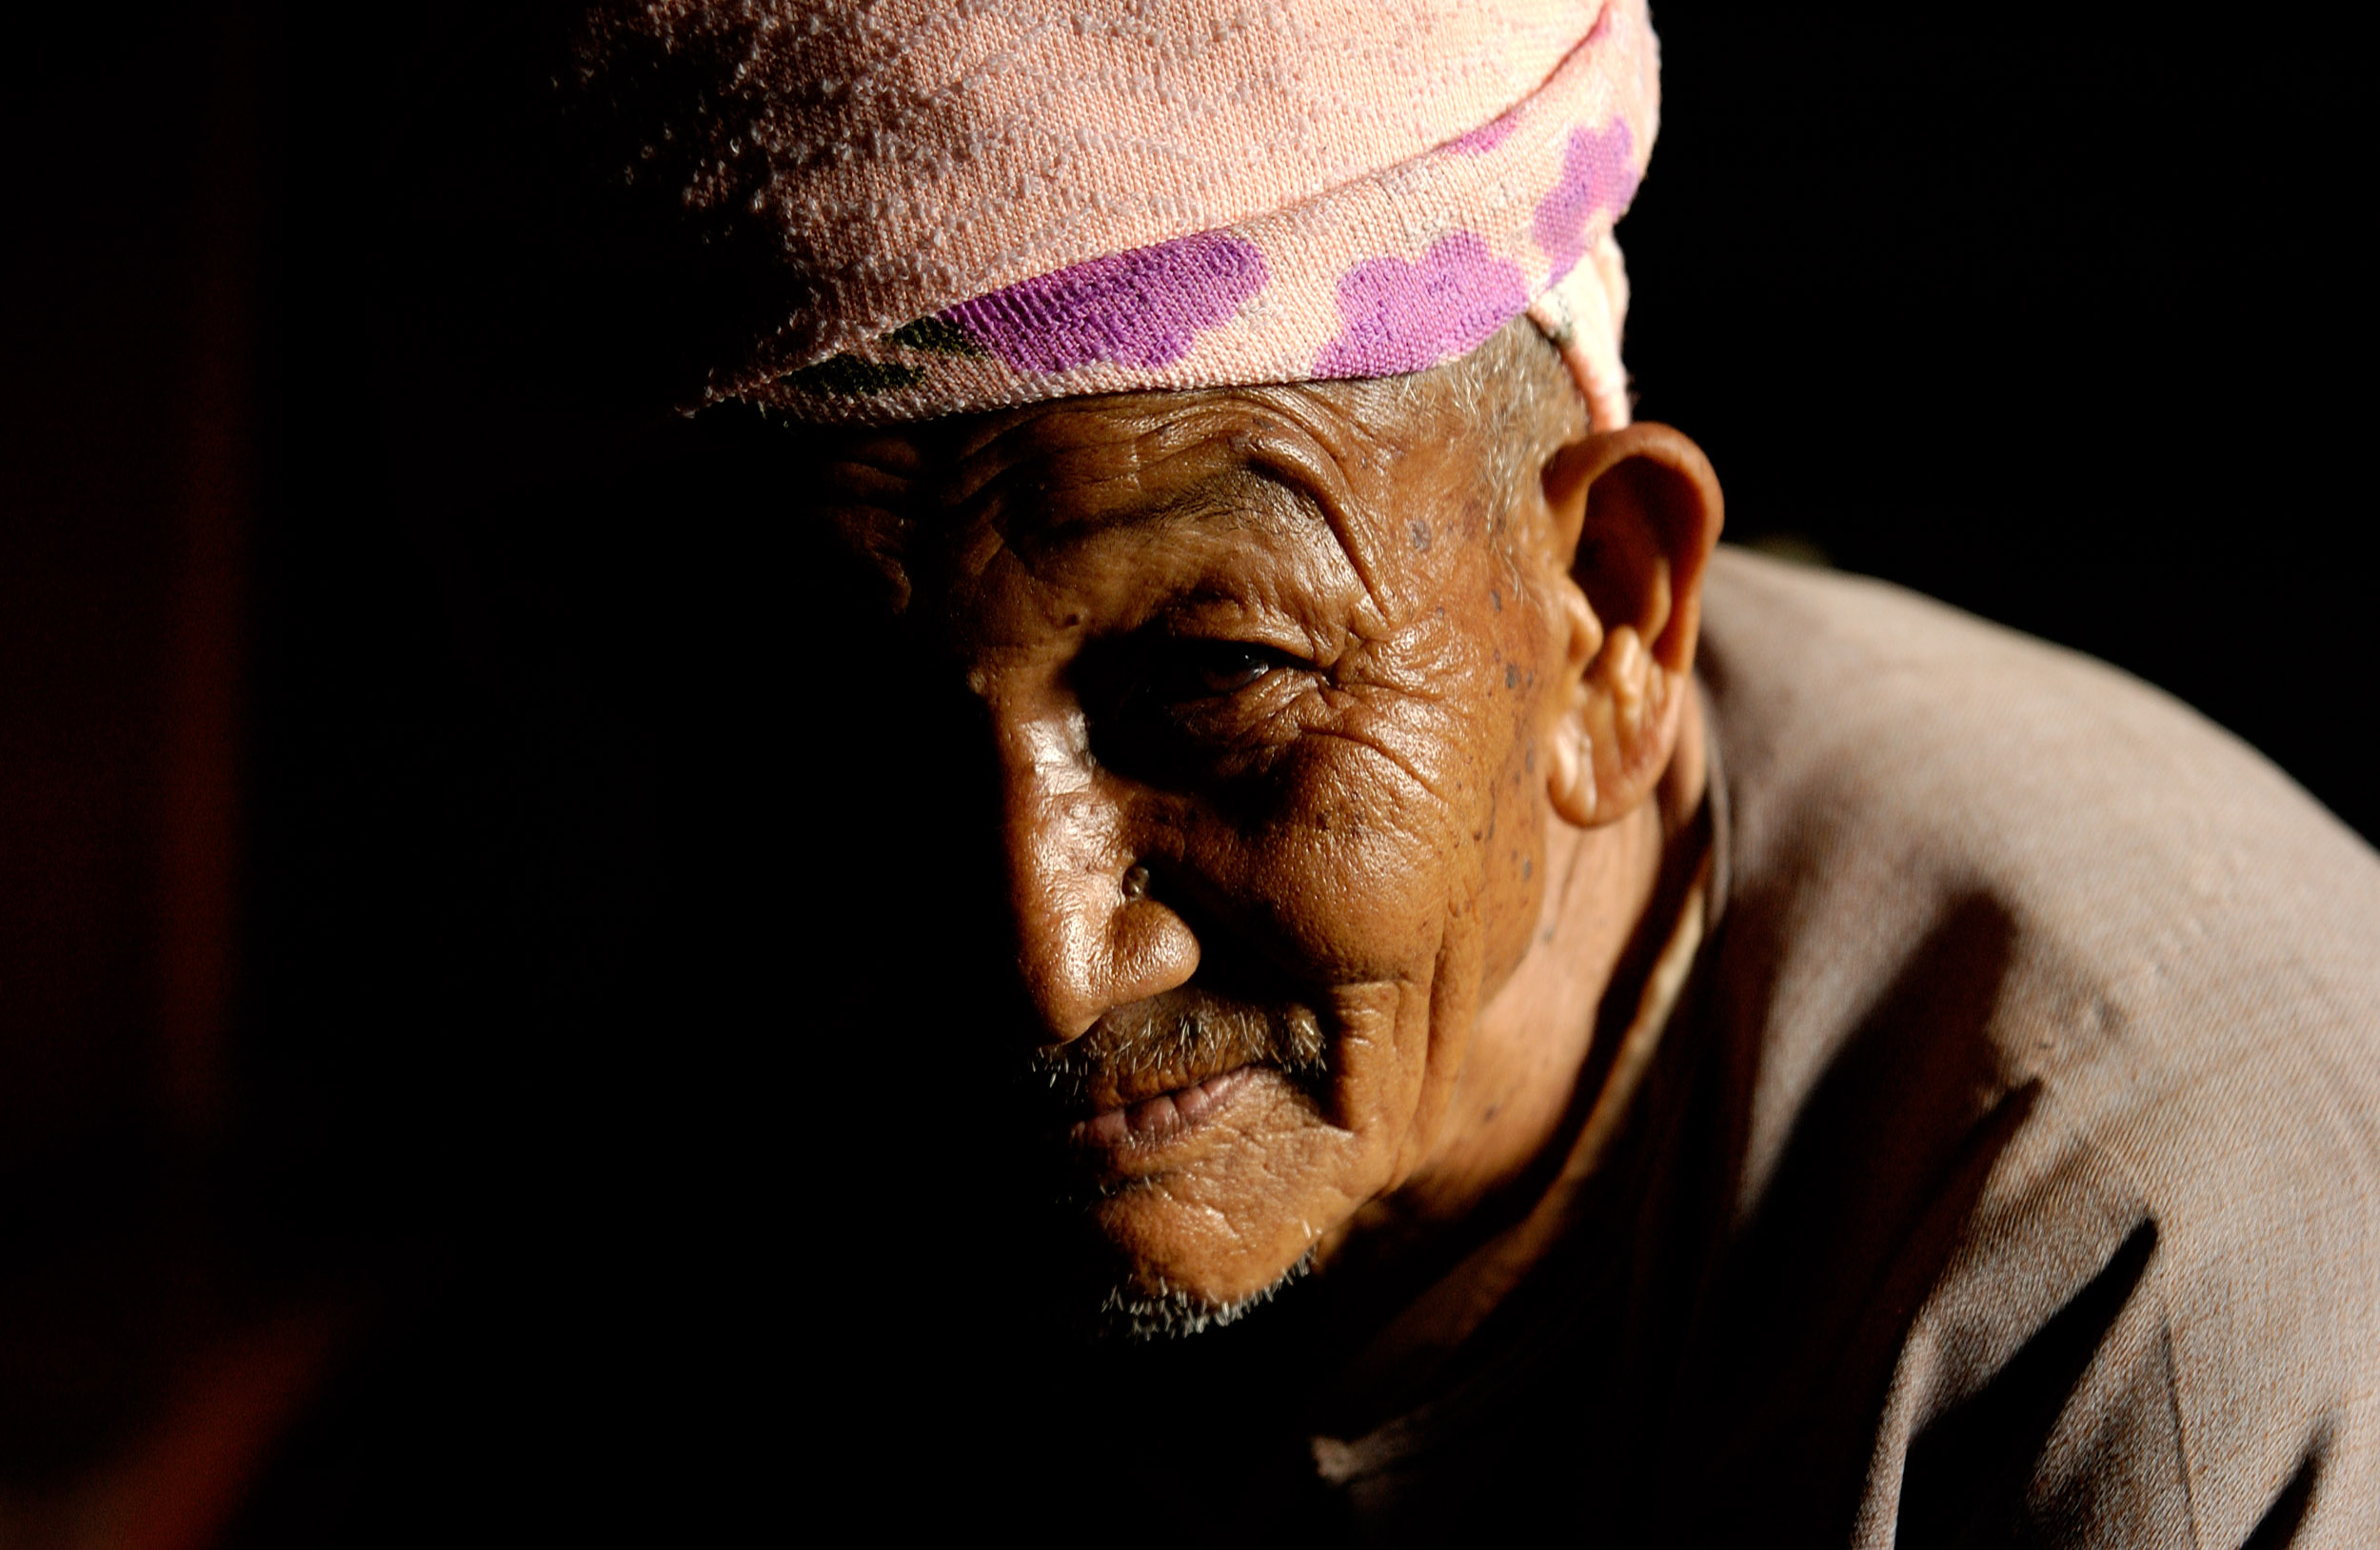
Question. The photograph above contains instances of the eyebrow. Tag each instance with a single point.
(1222, 498)
(987, 476)
(1243, 442)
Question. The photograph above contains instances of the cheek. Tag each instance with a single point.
(1512, 879)
(1368, 854)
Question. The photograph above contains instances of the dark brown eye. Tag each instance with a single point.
(1186, 670)
(1162, 707)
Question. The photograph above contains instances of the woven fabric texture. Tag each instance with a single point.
(1007, 202)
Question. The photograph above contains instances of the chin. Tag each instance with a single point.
(1163, 1268)
(1203, 1224)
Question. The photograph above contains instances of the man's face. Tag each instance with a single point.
(1263, 673)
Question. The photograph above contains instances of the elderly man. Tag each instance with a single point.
(1576, 1028)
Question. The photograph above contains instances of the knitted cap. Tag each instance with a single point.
(1000, 202)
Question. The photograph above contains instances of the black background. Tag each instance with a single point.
(563, 904)
(2048, 314)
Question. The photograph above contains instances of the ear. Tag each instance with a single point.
(1635, 514)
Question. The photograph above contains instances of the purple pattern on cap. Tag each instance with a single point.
(1140, 309)
(1398, 316)
(1598, 175)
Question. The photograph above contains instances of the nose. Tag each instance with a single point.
(1088, 938)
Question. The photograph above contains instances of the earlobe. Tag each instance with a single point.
(1570, 783)
(1610, 748)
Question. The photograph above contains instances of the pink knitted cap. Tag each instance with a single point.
(993, 202)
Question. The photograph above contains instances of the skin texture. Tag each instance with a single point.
(1334, 781)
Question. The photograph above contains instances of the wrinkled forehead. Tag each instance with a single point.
(1160, 491)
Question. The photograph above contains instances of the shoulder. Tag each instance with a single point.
(2058, 1003)
(1888, 758)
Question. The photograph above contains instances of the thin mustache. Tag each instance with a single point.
(1190, 1035)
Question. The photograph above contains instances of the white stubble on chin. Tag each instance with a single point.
(1140, 1315)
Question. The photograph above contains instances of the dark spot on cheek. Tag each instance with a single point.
(1495, 600)
(1512, 676)
(1419, 534)
(1529, 760)
(1528, 869)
